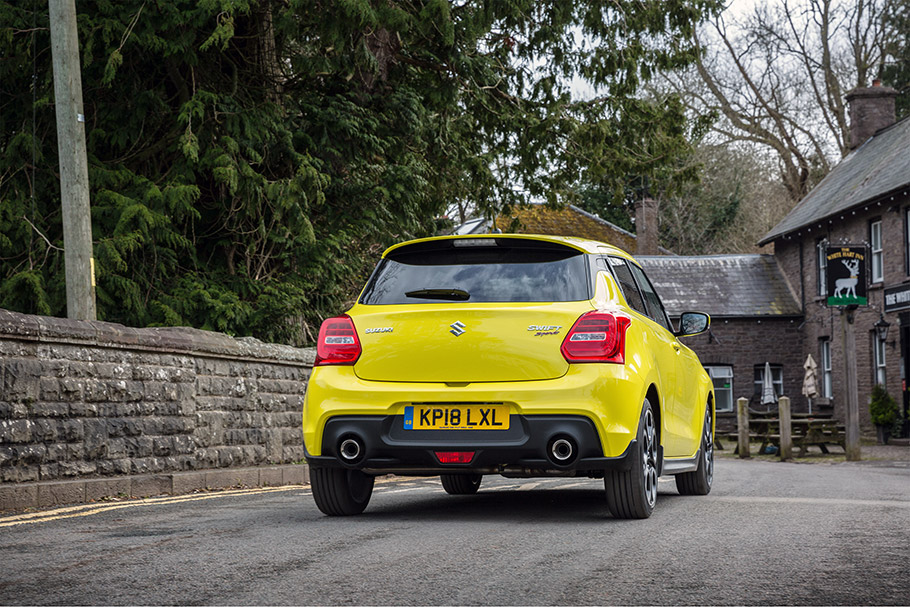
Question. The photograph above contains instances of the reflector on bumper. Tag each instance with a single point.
(454, 457)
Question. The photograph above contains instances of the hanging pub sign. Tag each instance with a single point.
(846, 275)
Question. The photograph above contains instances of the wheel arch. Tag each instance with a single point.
(710, 403)
(707, 397)
(653, 397)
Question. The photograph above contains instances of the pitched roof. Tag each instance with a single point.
(569, 221)
(721, 285)
(877, 168)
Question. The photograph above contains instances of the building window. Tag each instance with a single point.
(875, 237)
(878, 358)
(827, 389)
(822, 266)
(722, 376)
(777, 379)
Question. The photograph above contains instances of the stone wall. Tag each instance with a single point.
(88, 399)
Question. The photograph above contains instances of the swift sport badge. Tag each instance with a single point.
(457, 328)
(545, 329)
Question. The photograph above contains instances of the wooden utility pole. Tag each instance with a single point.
(852, 390)
(74, 193)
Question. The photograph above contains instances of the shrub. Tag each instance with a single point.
(884, 410)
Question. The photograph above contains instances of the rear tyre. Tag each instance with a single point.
(632, 493)
(699, 481)
(461, 484)
(340, 492)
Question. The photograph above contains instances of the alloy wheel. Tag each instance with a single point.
(649, 458)
(708, 441)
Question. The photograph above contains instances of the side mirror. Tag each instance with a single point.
(693, 323)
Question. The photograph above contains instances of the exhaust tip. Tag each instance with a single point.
(562, 451)
(350, 449)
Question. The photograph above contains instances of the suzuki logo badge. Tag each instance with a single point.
(457, 328)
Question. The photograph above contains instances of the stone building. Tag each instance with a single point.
(863, 201)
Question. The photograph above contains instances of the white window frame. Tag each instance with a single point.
(822, 274)
(878, 356)
(875, 240)
(723, 394)
(827, 378)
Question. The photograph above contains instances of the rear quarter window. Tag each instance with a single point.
(627, 283)
(655, 307)
(509, 271)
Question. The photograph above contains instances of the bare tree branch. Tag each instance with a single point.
(778, 77)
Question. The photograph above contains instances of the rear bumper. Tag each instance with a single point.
(526, 448)
(606, 397)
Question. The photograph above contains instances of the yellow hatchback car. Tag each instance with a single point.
(525, 356)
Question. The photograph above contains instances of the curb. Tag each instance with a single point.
(46, 494)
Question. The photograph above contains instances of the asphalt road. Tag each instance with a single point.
(768, 533)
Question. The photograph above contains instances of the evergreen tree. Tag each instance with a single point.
(249, 159)
(896, 72)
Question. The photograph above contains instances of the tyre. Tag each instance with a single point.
(461, 484)
(632, 493)
(340, 492)
(699, 481)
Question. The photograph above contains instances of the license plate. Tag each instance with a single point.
(456, 417)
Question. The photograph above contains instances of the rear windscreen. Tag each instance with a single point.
(439, 272)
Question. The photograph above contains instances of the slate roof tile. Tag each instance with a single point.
(733, 286)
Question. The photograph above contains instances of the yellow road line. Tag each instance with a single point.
(150, 500)
(89, 509)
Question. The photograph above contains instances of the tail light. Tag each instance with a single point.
(597, 337)
(338, 343)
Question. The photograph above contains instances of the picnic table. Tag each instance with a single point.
(806, 431)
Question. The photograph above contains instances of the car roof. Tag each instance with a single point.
(582, 244)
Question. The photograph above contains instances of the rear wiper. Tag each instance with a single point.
(450, 294)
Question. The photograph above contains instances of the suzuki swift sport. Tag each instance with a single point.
(524, 356)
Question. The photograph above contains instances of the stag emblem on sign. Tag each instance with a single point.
(846, 287)
(845, 284)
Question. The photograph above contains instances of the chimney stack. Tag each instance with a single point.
(871, 109)
(646, 227)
